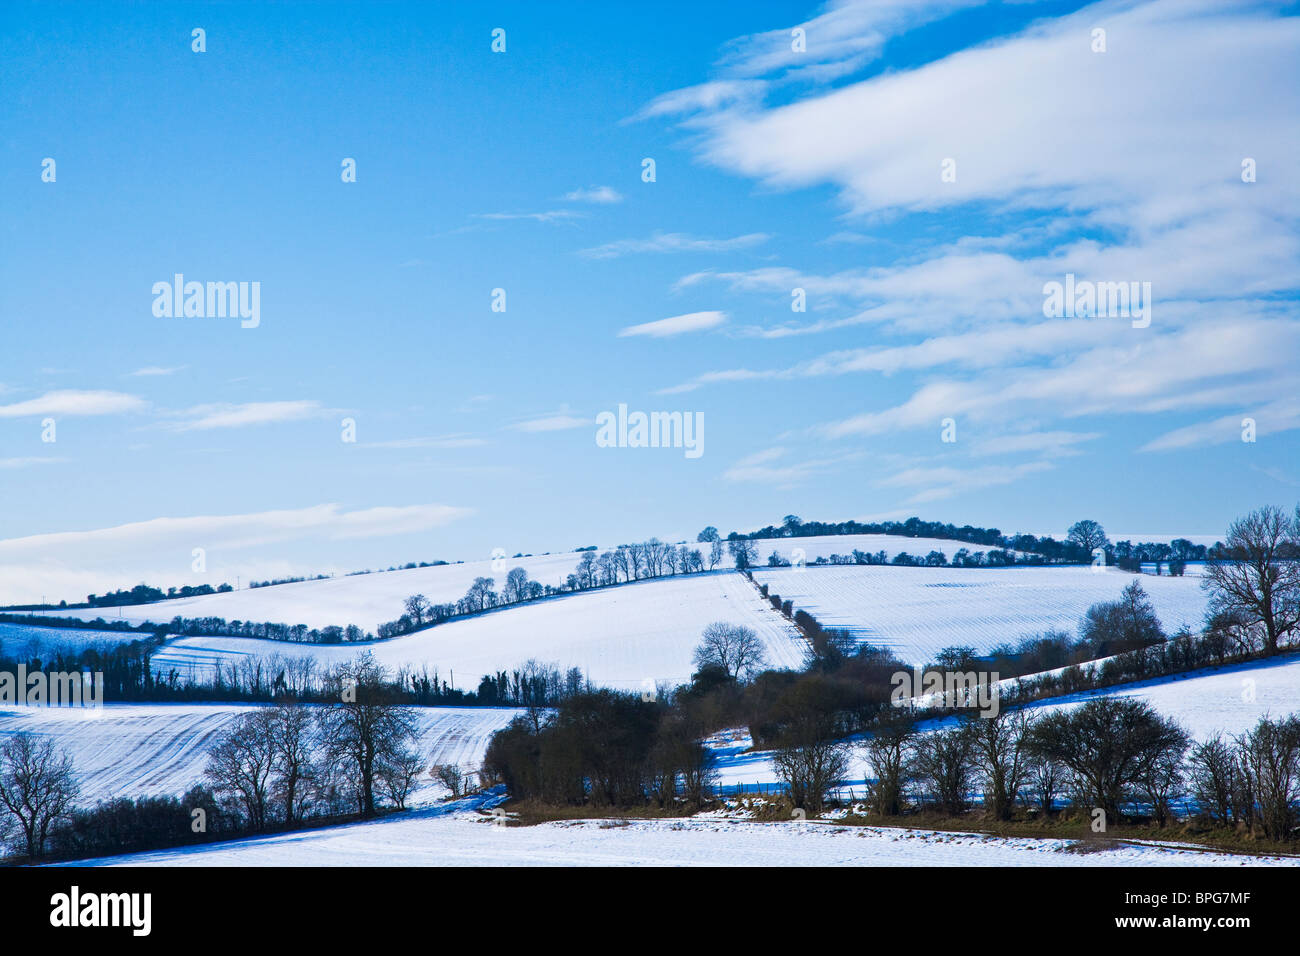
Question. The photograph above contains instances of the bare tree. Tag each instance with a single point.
(998, 741)
(1212, 777)
(744, 552)
(37, 787)
(1044, 779)
(715, 553)
(1088, 535)
(1257, 577)
(1270, 761)
(242, 762)
(416, 606)
(516, 586)
(736, 649)
(886, 751)
(293, 733)
(811, 771)
(450, 777)
(942, 762)
(366, 727)
(397, 773)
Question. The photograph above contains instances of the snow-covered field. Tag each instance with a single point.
(20, 640)
(620, 636)
(130, 750)
(1227, 699)
(454, 836)
(915, 612)
(366, 600)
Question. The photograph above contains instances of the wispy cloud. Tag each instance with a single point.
(224, 415)
(772, 467)
(944, 481)
(676, 325)
(442, 441)
(1269, 419)
(28, 462)
(156, 370)
(602, 195)
(74, 402)
(664, 242)
(550, 215)
(551, 423)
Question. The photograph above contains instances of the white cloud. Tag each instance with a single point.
(157, 370)
(661, 242)
(603, 195)
(28, 462)
(552, 423)
(767, 467)
(1046, 444)
(1274, 417)
(74, 402)
(550, 215)
(940, 482)
(676, 325)
(442, 441)
(223, 415)
(1030, 121)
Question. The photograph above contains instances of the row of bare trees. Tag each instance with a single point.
(1111, 754)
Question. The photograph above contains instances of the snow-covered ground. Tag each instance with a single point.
(368, 600)
(620, 636)
(916, 612)
(130, 750)
(22, 641)
(454, 836)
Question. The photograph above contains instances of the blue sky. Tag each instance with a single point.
(776, 169)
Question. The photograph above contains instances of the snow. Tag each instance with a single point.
(620, 636)
(1230, 699)
(366, 600)
(135, 750)
(916, 612)
(453, 835)
(20, 640)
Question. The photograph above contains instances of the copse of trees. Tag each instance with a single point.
(1130, 623)
(604, 748)
(1111, 746)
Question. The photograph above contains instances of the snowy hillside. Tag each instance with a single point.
(368, 600)
(620, 636)
(134, 750)
(916, 612)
